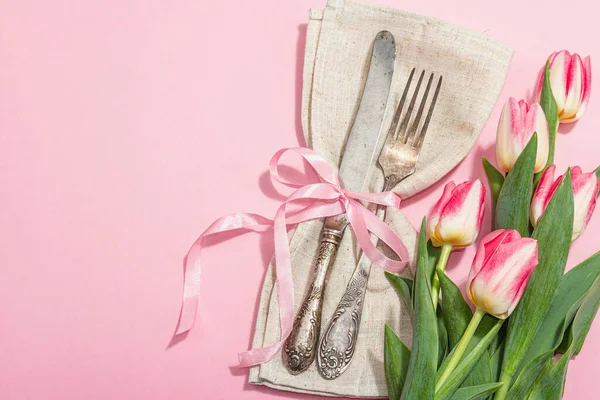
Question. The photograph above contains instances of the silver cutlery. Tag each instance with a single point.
(301, 346)
(398, 160)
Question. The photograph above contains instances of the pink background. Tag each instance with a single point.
(127, 127)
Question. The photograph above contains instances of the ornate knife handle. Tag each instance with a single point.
(300, 348)
(339, 341)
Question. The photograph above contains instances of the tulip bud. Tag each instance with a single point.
(501, 269)
(571, 82)
(518, 123)
(457, 216)
(585, 191)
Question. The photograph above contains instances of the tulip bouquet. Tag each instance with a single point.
(529, 318)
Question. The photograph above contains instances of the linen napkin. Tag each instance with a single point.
(338, 44)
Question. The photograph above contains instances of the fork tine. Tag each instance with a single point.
(411, 135)
(404, 123)
(398, 112)
(421, 137)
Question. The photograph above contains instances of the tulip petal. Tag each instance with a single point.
(506, 153)
(540, 84)
(518, 112)
(498, 285)
(558, 77)
(489, 244)
(535, 121)
(480, 255)
(517, 124)
(436, 213)
(574, 88)
(526, 274)
(462, 215)
(542, 195)
(585, 190)
(585, 92)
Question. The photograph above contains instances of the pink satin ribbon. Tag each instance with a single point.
(329, 198)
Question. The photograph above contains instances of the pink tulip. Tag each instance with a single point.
(571, 83)
(456, 218)
(585, 191)
(517, 124)
(501, 269)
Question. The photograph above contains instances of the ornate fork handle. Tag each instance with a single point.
(300, 348)
(339, 341)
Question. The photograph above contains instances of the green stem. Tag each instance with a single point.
(460, 347)
(503, 391)
(435, 286)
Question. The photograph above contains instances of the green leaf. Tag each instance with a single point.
(550, 383)
(422, 250)
(457, 313)
(528, 376)
(482, 373)
(550, 108)
(434, 256)
(479, 392)
(485, 326)
(585, 316)
(499, 340)
(424, 247)
(570, 293)
(496, 359)
(495, 179)
(467, 364)
(553, 233)
(512, 208)
(404, 291)
(410, 283)
(395, 359)
(442, 335)
(420, 377)
(567, 339)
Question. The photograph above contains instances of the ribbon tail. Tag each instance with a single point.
(386, 234)
(254, 357)
(285, 294)
(193, 264)
(362, 221)
(191, 288)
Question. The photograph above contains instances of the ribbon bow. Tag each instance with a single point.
(330, 198)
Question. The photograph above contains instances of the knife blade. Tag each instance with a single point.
(300, 348)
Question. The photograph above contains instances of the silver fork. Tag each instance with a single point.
(398, 160)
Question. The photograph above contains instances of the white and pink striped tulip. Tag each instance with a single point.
(456, 218)
(501, 269)
(571, 83)
(585, 191)
(518, 122)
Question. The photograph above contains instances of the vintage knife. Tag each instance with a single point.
(300, 348)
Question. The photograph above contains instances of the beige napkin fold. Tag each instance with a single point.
(338, 45)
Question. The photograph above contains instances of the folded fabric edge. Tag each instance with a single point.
(286, 388)
(340, 6)
(313, 31)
